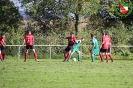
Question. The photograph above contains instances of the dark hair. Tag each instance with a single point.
(2, 34)
(92, 35)
(106, 33)
(71, 33)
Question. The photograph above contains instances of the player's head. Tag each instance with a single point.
(106, 33)
(71, 34)
(92, 35)
(29, 32)
(82, 39)
(2, 34)
(103, 33)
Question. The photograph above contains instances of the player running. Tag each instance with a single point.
(94, 50)
(105, 48)
(71, 40)
(29, 40)
(2, 43)
(75, 49)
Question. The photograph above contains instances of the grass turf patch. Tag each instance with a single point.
(53, 73)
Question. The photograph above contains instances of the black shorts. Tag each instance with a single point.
(68, 48)
(1, 47)
(105, 50)
(29, 47)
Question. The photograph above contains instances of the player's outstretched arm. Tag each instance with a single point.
(23, 43)
(4, 42)
(62, 37)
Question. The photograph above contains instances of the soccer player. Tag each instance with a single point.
(2, 43)
(71, 40)
(105, 48)
(29, 40)
(75, 49)
(94, 50)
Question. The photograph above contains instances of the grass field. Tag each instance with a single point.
(53, 73)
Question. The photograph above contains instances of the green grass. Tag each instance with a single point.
(53, 73)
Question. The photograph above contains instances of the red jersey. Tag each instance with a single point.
(29, 38)
(106, 42)
(71, 40)
(2, 38)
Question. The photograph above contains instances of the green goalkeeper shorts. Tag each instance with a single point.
(95, 51)
(75, 50)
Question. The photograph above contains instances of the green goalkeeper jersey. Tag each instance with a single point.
(95, 43)
(76, 44)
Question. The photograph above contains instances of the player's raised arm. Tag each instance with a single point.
(62, 37)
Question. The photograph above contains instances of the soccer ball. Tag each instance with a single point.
(74, 59)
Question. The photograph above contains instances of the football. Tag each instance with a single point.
(74, 59)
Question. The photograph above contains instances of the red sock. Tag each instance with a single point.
(65, 56)
(35, 55)
(110, 56)
(106, 58)
(3, 55)
(25, 56)
(101, 56)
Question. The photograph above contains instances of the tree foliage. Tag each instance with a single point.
(61, 11)
(9, 16)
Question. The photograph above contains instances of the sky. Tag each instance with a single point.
(18, 4)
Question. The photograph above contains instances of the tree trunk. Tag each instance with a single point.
(76, 23)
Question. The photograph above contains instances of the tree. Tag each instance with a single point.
(9, 16)
(59, 11)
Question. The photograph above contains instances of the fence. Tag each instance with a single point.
(58, 50)
(19, 48)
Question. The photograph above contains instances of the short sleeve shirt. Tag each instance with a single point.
(29, 38)
(95, 43)
(106, 42)
(2, 38)
(71, 40)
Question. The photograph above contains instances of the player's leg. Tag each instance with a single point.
(101, 55)
(66, 53)
(106, 57)
(70, 56)
(109, 54)
(1, 56)
(70, 51)
(35, 54)
(26, 55)
(92, 55)
(79, 55)
(3, 53)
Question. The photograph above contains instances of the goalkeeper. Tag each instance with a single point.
(75, 49)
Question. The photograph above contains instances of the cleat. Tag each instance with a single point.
(2, 60)
(24, 60)
(37, 60)
(65, 60)
(101, 61)
(111, 60)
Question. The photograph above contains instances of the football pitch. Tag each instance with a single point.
(53, 73)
